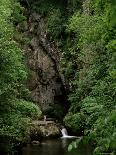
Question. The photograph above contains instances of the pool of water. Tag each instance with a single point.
(55, 147)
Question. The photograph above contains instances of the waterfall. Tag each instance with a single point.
(65, 134)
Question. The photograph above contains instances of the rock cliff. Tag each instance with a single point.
(45, 81)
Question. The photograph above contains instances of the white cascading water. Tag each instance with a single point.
(65, 134)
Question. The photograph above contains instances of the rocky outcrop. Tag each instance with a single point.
(41, 129)
(42, 56)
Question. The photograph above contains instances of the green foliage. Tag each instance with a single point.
(14, 125)
(17, 13)
(74, 144)
(104, 132)
(90, 48)
(44, 7)
(73, 5)
(55, 23)
(15, 113)
(53, 12)
(75, 122)
(28, 109)
(88, 42)
(12, 70)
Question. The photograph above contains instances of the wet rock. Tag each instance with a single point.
(35, 142)
(41, 129)
(49, 130)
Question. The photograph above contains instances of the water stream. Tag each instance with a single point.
(57, 146)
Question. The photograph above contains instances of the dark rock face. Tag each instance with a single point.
(45, 80)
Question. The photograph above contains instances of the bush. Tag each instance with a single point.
(28, 109)
(76, 122)
(15, 126)
(55, 23)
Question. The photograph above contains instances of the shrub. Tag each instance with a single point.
(76, 122)
(28, 109)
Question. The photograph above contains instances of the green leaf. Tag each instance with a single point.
(70, 147)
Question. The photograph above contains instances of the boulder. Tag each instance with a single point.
(41, 129)
(35, 142)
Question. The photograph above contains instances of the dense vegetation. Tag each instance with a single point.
(94, 81)
(92, 97)
(15, 110)
(90, 56)
(86, 33)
